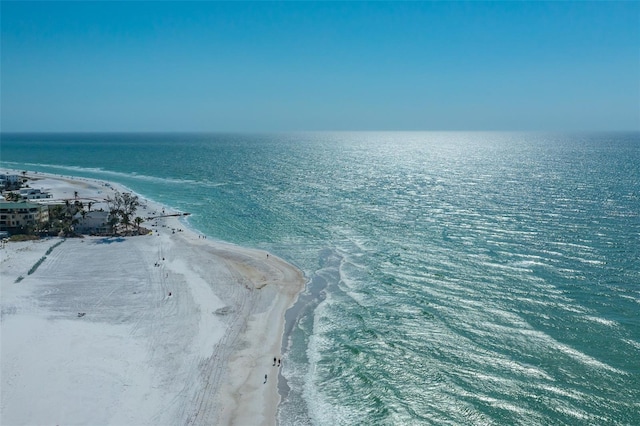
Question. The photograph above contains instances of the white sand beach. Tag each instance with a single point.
(164, 329)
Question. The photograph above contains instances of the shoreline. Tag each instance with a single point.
(222, 307)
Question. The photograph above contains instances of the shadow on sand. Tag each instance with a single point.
(109, 240)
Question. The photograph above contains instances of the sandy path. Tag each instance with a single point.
(139, 355)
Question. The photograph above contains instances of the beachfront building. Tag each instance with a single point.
(95, 222)
(8, 181)
(34, 194)
(17, 218)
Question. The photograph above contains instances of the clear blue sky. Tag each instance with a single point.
(242, 66)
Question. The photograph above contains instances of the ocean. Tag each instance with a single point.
(454, 278)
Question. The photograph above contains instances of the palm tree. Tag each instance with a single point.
(66, 218)
(113, 221)
(125, 220)
(138, 220)
(12, 196)
(55, 215)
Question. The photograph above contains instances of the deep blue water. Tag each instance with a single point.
(454, 278)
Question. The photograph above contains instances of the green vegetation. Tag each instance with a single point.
(50, 249)
(12, 196)
(61, 219)
(35, 266)
(23, 237)
(138, 220)
(39, 262)
(122, 207)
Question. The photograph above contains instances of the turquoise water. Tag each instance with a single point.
(454, 278)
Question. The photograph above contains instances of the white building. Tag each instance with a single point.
(16, 217)
(95, 222)
(34, 194)
(10, 181)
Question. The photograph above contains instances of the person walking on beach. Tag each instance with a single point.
(265, 379)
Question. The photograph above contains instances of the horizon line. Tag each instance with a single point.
(201, 132)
